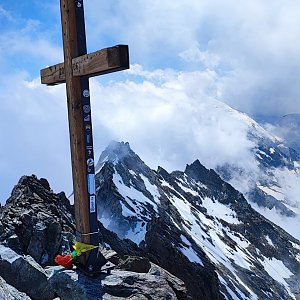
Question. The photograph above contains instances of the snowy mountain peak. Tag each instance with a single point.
(195, 223)
(114, 153)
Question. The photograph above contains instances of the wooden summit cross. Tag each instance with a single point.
(78, 66)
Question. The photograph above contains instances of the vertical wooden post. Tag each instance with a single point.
(78, 66)
(75, 113)
(81, 140)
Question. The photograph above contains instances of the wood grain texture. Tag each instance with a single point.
(75, 72)
(75, 113)
(101, 62)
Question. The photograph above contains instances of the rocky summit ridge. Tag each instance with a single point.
(180, 235)
(36, 224)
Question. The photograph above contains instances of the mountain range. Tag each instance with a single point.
(228, 232)
(193, 218)
(194, 232)
(271, 181)
(253, 157)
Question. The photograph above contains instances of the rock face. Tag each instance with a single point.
(36, 223)
(33, 219)
(8, 292)
(120, 284)
(198, 227)
(26, 277)
(15, 269)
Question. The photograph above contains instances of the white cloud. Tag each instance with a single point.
(29, 42)
(169, 122)
(26, 44)
(35, 139)
(173, 121)
(195, 55)
(252, 42)
(185, 55)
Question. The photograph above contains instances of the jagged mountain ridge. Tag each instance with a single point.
(271, 181)
(252, 158)
(202, 220)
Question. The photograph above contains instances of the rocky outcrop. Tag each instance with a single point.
(135, 278)
(35, 220)
(27, 222)
(135, 264)
(131, 285)
(25, 274)
(156, 283)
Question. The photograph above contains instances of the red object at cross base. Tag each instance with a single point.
(65, 261)
(75, 71)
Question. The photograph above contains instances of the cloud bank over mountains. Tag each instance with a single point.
(187, 58)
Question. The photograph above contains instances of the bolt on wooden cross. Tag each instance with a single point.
(78, 66)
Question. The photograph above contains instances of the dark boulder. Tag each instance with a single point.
(24, 274)
(135, 264)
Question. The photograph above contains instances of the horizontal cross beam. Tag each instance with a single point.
(104, 61)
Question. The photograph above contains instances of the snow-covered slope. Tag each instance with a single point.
(286, 127)
(270, 178)
(206, 225)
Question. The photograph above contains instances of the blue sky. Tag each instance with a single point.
(22, 23)
(183, 54)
